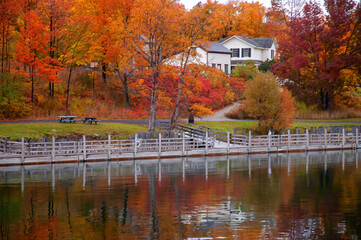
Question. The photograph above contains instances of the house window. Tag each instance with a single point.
(214, 65)
(226, 69)
(235, 52)
(246, 52)
(219, 66)
(272, 54)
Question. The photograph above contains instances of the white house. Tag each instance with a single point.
(256, 49)
(214, 55)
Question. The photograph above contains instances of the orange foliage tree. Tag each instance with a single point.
(235, 18)
(154, 26)
(42, 28)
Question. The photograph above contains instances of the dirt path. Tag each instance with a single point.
(220, 115)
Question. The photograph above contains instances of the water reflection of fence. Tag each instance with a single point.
(179, 166)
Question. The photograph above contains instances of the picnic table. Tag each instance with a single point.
(65, 119)
(90, 120)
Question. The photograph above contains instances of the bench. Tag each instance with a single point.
(67, 119)
(90, 120)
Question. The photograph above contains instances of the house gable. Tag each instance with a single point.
(244, 49)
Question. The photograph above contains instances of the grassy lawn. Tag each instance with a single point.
(100, 131)
(249, 125)
(123, 131)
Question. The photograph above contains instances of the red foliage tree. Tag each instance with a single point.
(318, 48)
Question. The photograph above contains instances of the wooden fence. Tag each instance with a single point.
(108, 147)
(187, 139)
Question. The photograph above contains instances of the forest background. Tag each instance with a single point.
(108, 58)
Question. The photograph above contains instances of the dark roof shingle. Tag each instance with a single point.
(257, 42)
(216, 47)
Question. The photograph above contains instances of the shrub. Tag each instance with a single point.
(246, 71)
(12, 101)
(267, 102)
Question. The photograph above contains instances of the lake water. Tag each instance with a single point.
(286, 196)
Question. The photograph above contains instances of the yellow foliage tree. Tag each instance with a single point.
(267, 102)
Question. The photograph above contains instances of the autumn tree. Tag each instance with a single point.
(75, 43)
(8, 14)
(121, 55)
(193, 27)
(54, 15)
(235, 18)
(317, 49)
(154, 27)
(267, 102)
(42, 29)
(31, 48)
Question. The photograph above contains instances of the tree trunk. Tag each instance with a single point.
(104, 74)
(32, 84)
(325, 99)
(67, 91)
(3, 48)
(175, 115)
(153, 106)
(126, 91)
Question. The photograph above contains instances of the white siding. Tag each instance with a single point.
(266, 53)
(219, 58)
(202, 56)
(256, 54)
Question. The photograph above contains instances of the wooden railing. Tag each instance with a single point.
(109, 146)
(217, 134)
(189, 138)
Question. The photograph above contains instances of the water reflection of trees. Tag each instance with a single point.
(263, 196)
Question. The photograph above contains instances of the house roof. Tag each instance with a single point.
(264, 42)
(256, 42)
(216, 47)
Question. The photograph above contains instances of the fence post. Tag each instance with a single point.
(135, 144)
(289, 139)
(22, 150)
(269, 140)
(160, 144)
(184, 144)
(84, 148)
(249, 141)
(325, 138)
(343, 138)
(53, 149)
(228, 142)
(307, 140)
(206, 142)
(356, 137)
(109, 145)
